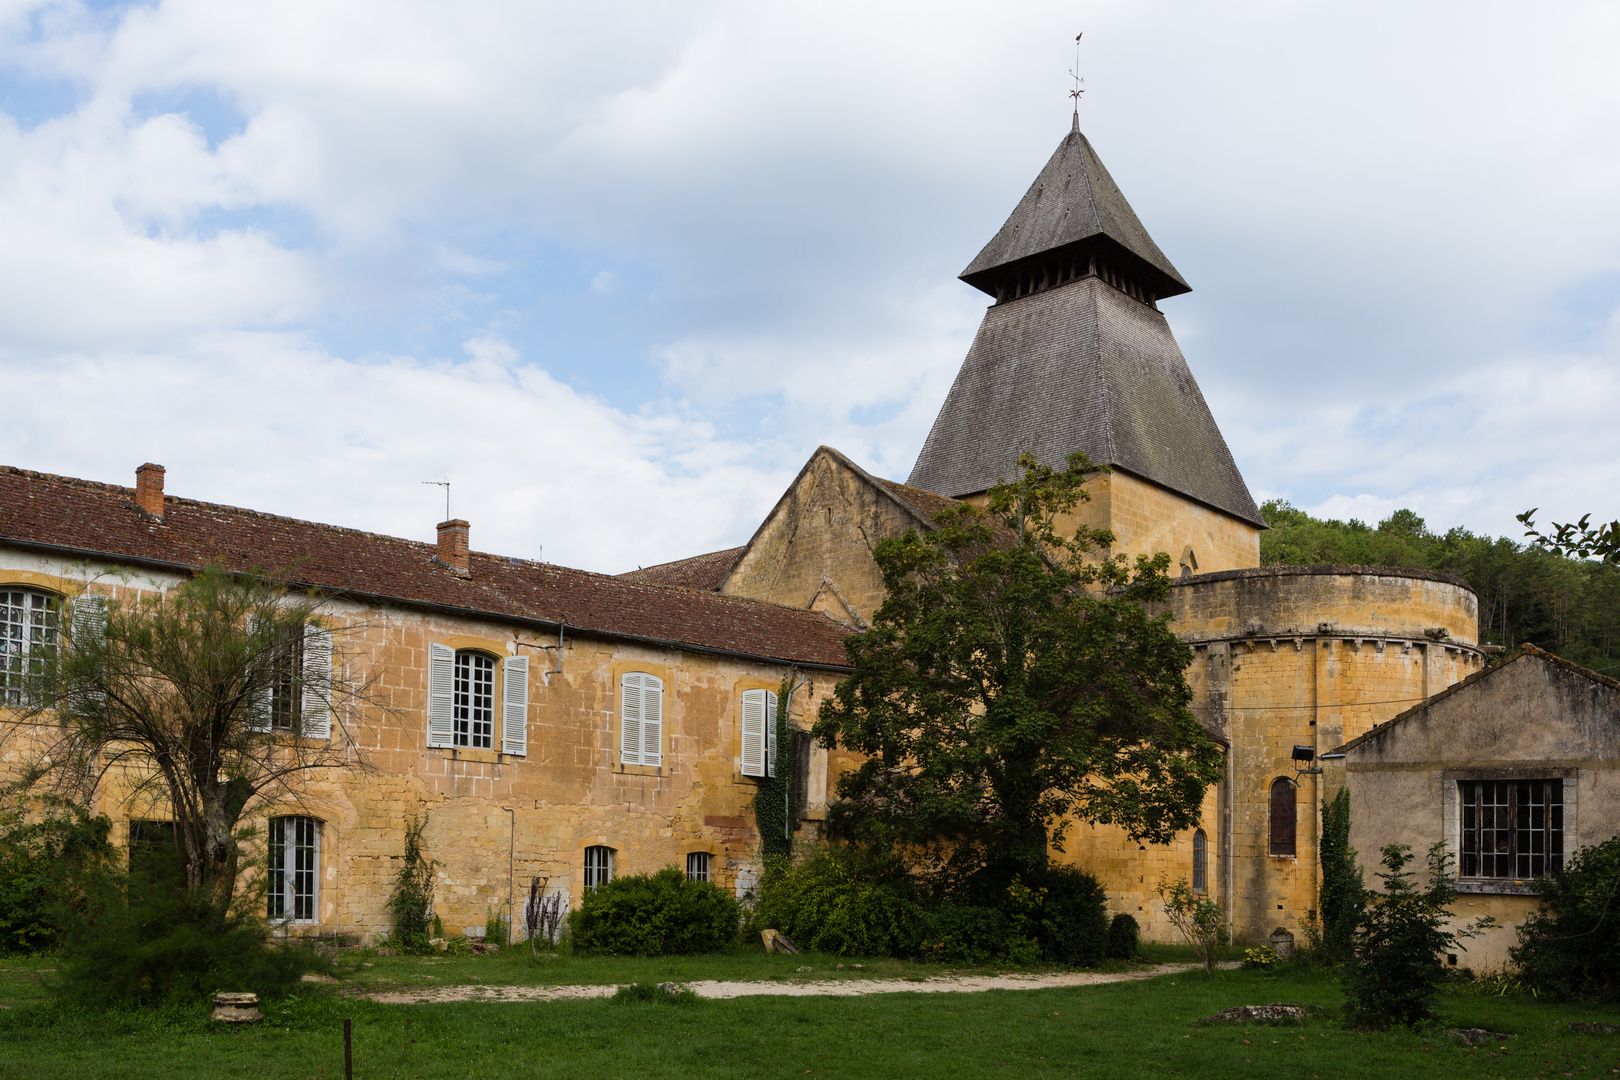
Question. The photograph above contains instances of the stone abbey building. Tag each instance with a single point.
(616, 720)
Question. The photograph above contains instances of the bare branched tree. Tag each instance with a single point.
(226, 688)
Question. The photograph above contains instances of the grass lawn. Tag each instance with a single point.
(1134, 1029)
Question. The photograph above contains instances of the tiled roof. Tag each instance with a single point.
(83, 518)
(1080, 367)
(705, 572)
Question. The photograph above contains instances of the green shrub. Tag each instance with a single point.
(1124, 937)
(1073, 919)
(959, 934)
(655, 915)
(42, 856)
(1395, 971)
(411, 903)
(152, 942)
(655, 994)
(838, 902)
(1571, 946)
(1340, 900)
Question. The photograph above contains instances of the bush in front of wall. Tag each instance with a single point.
(1571, 946)
(1073, 918)
(1124, 937)
(657, 914)
(839, 901)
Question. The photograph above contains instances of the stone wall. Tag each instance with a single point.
(1532, 717)
(496, 820)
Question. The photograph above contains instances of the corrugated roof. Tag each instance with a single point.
(1080, 367)
(92, 519)
(706, 572)
(1073, 201)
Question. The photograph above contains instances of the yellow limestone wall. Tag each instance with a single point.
(567, 793)
(1147, 519)
(1283, 656)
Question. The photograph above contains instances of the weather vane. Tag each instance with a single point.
(446, 485)
(1075, 74)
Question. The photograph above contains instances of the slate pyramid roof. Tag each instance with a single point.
(1076, 356)
(1074, 203)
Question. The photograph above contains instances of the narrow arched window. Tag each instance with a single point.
(1282, 816)
(1200, 881)
(697, 866)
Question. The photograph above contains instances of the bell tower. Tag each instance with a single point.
(1074, 355)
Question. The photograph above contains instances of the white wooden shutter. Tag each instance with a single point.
(441, 694)
(89, 634)
(259, 697)
(770, 733)
(652, 720)
(753, 733)
(515, 705)
(317, 703)
(630, 720)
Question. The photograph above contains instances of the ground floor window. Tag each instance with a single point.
(1512, 828)
(598, 866)
(294, 867)
(697, 866)
(1200, 880)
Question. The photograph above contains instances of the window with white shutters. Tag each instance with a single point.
(27, 641)
(441, 694)
(295, 856)
(473, 719)
(515, 705)
(758, 733)
(641, 719)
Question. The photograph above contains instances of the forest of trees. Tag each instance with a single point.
(1567, 606)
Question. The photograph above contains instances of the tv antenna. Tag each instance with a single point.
(446, 485)
(1074, 73)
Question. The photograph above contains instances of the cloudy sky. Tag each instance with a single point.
(616, 270)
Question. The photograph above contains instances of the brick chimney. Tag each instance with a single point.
(453, 546)
(149, 490)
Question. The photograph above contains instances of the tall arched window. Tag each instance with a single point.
(474, 700)
(1200, 881)
(1282, 816)
(27, 636)
(295, 866)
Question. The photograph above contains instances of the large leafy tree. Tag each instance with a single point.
(1014, 679)
(208, 695)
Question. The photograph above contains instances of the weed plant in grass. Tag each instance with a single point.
(1134, 1029)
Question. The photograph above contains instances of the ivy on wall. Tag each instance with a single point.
(773, 801)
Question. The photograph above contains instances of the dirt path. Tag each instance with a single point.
(851, 987)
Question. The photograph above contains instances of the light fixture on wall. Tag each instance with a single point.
(1306, 754)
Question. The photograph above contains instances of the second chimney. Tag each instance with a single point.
(453, 546)
(149, 490)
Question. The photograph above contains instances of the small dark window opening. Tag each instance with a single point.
(697, 866)
(1200, 882)
(598, 866)
(156, 862)
(1283, 815)
(1512, 828)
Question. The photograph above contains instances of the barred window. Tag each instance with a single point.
(697, 866)
(27, 639)
(294, 867)
(598, 866)
(1512, 828)
(474, 700)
